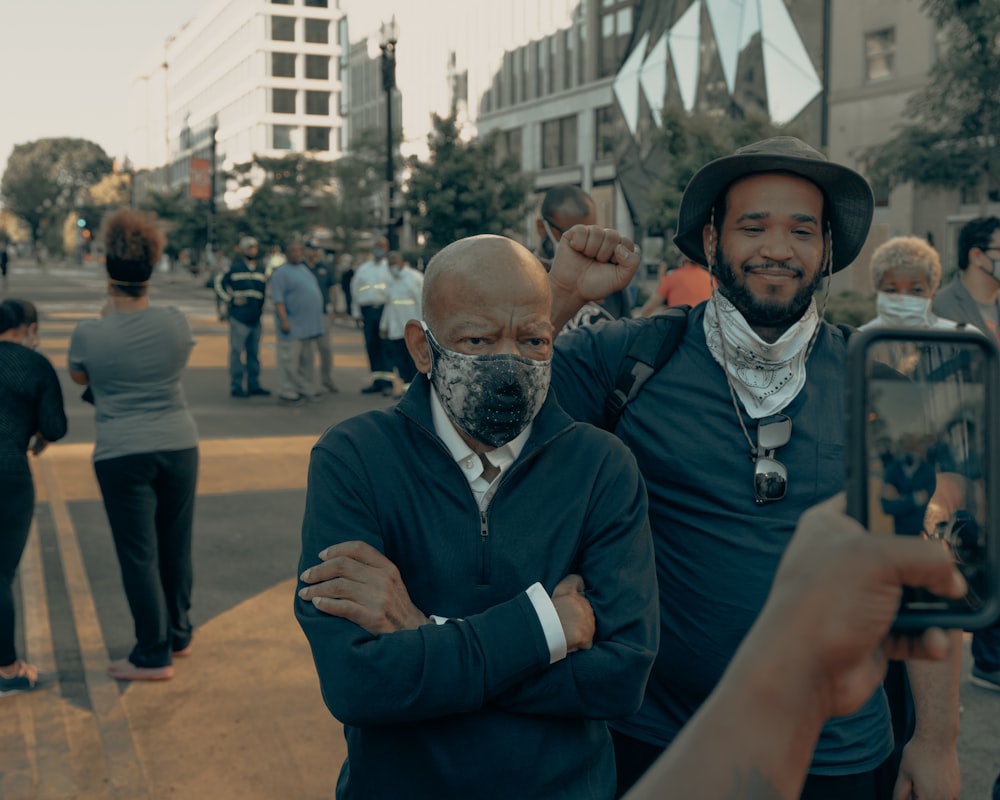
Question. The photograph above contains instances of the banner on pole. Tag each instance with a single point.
(200, 178)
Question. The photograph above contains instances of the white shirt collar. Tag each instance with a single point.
(466, 457)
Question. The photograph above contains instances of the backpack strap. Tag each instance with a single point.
(650, 350)
(847, 330)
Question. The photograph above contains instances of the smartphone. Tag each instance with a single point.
(923, 458)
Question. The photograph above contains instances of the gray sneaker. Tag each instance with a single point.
(986, 680)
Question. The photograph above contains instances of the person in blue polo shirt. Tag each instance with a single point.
(298, 311)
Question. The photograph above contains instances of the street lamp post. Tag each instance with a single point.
(388, 47)
(214, 131)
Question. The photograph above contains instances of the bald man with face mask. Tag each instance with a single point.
(457, 609)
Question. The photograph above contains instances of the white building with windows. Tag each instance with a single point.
(264, 74)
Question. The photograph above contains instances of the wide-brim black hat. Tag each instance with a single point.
(849, 198)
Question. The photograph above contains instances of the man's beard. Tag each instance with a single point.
(767, 313)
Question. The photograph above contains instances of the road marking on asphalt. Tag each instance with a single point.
(43, 768)
(125, 773)
(37, 631)
(212, 350)
(226, 466)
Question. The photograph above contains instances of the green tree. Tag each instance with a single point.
(359, 181)
(953, 137)
(465, 188)
(287, 194)
(185, 221)
(684, 144)
(47, 178)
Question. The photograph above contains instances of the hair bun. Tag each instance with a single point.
(133, 243)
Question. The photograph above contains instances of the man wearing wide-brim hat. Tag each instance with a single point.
(736, 435)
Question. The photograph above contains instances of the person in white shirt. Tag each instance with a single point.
(368, 292)
(403, 304)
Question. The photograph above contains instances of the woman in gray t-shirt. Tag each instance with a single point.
(146, 454)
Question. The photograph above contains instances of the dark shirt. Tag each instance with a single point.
(325, 278)
(907, 510)
(30, 401)
(473, 708)
(244, 282)
(716, 550)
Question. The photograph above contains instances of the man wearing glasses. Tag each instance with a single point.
(736, 436)
(971, 297)
(562, 207)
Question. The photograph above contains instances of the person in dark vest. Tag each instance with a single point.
(241, 288)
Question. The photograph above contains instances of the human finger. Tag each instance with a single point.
(358, 550)
(349, 610)
(340, 566)
(577, 237)
(333, 589)
(933, 644)
(607, 244)
(589, 240)
(923, 564)
(627, 253)
(571, 583)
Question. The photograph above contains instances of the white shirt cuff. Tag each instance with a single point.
(438, 620)
(549, 619)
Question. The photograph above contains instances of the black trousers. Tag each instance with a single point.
(149, 500)
(399, 357)
(17, 505)
(371, 317)
(633, 757)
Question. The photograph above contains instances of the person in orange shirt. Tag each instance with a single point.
(688, 285)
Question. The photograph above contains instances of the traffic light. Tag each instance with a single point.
(81, 222)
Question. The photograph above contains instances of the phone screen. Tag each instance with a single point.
(928, 456)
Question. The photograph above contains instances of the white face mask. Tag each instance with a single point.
(905, 310)
(29, 339)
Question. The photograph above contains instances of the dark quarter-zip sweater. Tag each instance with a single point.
(472, 708)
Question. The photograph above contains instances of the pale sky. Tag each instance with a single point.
(66, 67)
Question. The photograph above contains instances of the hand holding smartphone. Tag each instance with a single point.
(924, 458)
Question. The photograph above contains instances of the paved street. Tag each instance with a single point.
(242, 717)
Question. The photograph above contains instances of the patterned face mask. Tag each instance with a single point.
(490, 397)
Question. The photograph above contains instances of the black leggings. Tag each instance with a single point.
(17, 505)
(149, 500)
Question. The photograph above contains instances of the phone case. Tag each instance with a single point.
(859, 453)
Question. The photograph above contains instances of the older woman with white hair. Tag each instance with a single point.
(906, 271)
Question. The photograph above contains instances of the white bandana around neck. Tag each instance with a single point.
(766, 377)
